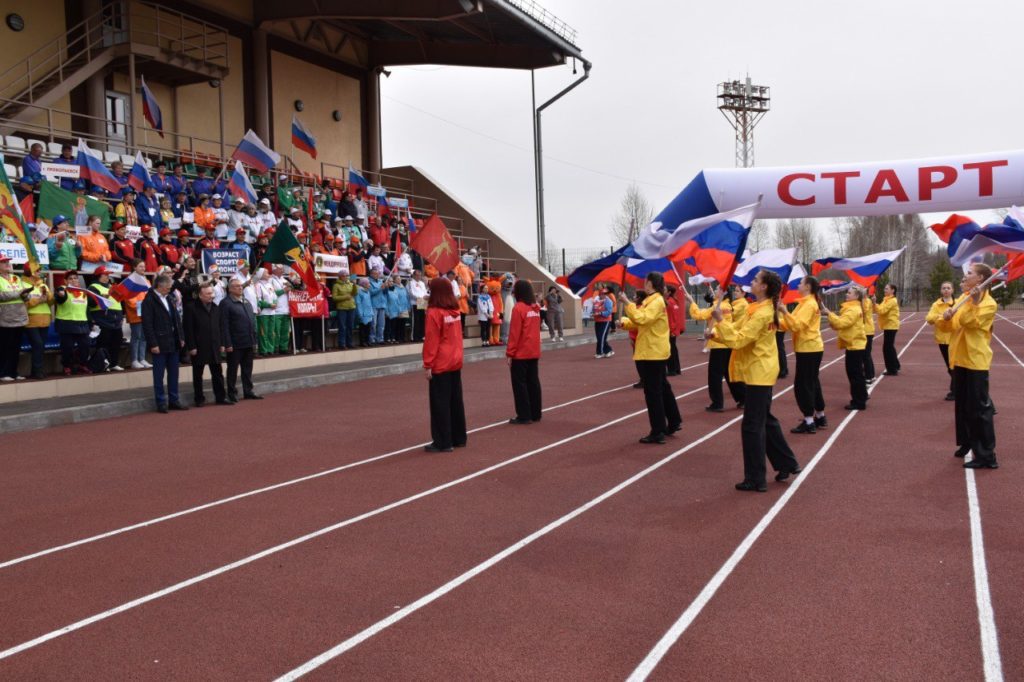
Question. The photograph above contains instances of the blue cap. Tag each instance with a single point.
(149, 185)
(96, 189)
(58, 219)
(27, 180)
(80, 184)
(128, 189)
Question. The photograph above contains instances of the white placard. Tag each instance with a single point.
(133, 232)
(112, 268)
(18, 255)
(60, 170)
(329, 264)
(376, 191)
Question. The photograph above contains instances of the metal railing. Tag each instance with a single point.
(545, 18)
(116, 24)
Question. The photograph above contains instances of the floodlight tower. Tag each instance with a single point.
(744, 105)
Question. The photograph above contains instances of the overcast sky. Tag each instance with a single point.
(856, 81)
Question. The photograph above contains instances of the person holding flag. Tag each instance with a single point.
(755, 362)
(889, 321)
(805, 324)
(850, 324)
(72, 325)
(942, 336)
(718, 353)
(109, 318)
(970, 357)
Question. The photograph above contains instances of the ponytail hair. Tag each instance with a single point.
(860, 292)
(815, 286)
(657, 281)
(773, 289)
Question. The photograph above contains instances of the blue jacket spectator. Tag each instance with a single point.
(149, 206)
(67, 158)
(378, 298)
(31, 165)
(397, 301)
(364, 308)
(178, 182)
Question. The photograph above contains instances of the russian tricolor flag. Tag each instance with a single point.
(240, 185)
(139, 177)
(103, 302)
(779, 261)
(151, 110)
(302, 138)
(255, 154)
(863, 270)
(356, 181)
(92, 170)
(792, 295)
(968, 241)
(620, 268)
(130, 287)
(409, 219)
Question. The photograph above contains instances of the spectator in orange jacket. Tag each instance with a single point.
(523, 353)
(442, 362)
(493, 288)
(205, 216)
(95, 248)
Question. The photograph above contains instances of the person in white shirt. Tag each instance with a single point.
(455, 284)
(251, 224)
(220, 217)
(266, 216)
(375, 261)
(295, 221)
(484, 313)
(362, 213)
(588, 311)
(236, 216)
(248, 283)
(417, 289)
(404, 265)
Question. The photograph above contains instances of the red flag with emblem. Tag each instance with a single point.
(435, 244)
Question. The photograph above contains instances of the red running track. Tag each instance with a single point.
(532, 614)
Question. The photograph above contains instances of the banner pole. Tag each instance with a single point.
(294, 347)
(323, 334)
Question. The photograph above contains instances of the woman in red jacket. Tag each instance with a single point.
(442, 361)
(523, 353)
(675, 328)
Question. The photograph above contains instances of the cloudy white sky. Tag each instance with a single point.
(858, 81)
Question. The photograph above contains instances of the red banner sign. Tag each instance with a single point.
(301, 304)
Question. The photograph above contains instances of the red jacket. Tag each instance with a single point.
(524, 332)
(675, 316)
(442, 341)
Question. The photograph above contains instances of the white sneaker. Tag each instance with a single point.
(609, 354)
(6, 378)
(137, 365)
(561, 338)
(599, 356)
(146, 365)
(117, 368)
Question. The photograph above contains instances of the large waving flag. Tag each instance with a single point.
(779, 261)
(93, 170)
(102, 301)
(139, 176)
(796, 275)
(130, 287)
(863, 270)
(619, 268)
(710, 245)
(436, 245)
(284, 248)
(356, 181)
(967, 241)
(240, 185)
(255, 154)
(150, 109)
(13, 222)
(302, 138)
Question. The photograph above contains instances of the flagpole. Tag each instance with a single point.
(995, 275)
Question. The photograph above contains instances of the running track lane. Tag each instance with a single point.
(62, 484)
(372, 536)
(588, 600)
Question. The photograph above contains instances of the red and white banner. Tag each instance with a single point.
(301, 304)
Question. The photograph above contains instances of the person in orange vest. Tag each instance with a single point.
(494, 291)
(442, 363)
(204, 216)
(523, 353)
(95, 248)
(356, 257)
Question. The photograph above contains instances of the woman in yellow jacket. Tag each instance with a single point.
(805, 324)
(850, 324)
(970, 356)
(755, 362)
(869, 335)
(889, 321)
(944, 303)
(651, 352)
(718, 357)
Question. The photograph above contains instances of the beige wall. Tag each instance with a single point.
(321, 91)
(197, 107)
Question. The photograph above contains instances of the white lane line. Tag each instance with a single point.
(313, 535)
(269, 488)
(990, 657)
(1012, 354)
(427, 599)
(668, 640)
(1018, 325)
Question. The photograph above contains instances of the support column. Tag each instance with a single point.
(373, 120)
(95, 87)
(130, 129)
(260, 79)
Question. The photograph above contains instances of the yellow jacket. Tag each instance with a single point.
(704, 314)
(651, 322)
(889, 313)
(934, 317)
(849, 323)
(805, 323)
(755, 357)
(739, 308)
(869, 316)
(970, 346)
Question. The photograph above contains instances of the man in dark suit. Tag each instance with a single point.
(164, 336)
(238, 331)
(203, 341)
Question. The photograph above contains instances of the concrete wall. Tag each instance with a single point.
(197, 107)
(500, 250)
(321, 91)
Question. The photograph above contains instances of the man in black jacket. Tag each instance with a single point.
(164, 336)
(238, 332)
(203, 341)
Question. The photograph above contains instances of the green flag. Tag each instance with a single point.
(56, 201)
(284, 248)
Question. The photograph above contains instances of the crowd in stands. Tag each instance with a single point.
(381, 298)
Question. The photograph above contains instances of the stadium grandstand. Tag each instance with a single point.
(95, 70)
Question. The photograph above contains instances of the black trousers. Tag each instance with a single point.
(869, 362)
(10, 350)
(72, 344)
(601, 331)
(397, 325)
(240, 357)
(418, 317)
(673, 357)
(892, 358)
(780, 342)
(944, 349)
(975, 421)
(855, 373)
(718, 369)
(216, 377)
(447, 413)
(110, 340)
(662, 411)
(806, 384)
(526, 389)
(762, 435)
(485, 331)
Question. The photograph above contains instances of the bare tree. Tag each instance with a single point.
(635, 213)
(760, 236)
(801, 232)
